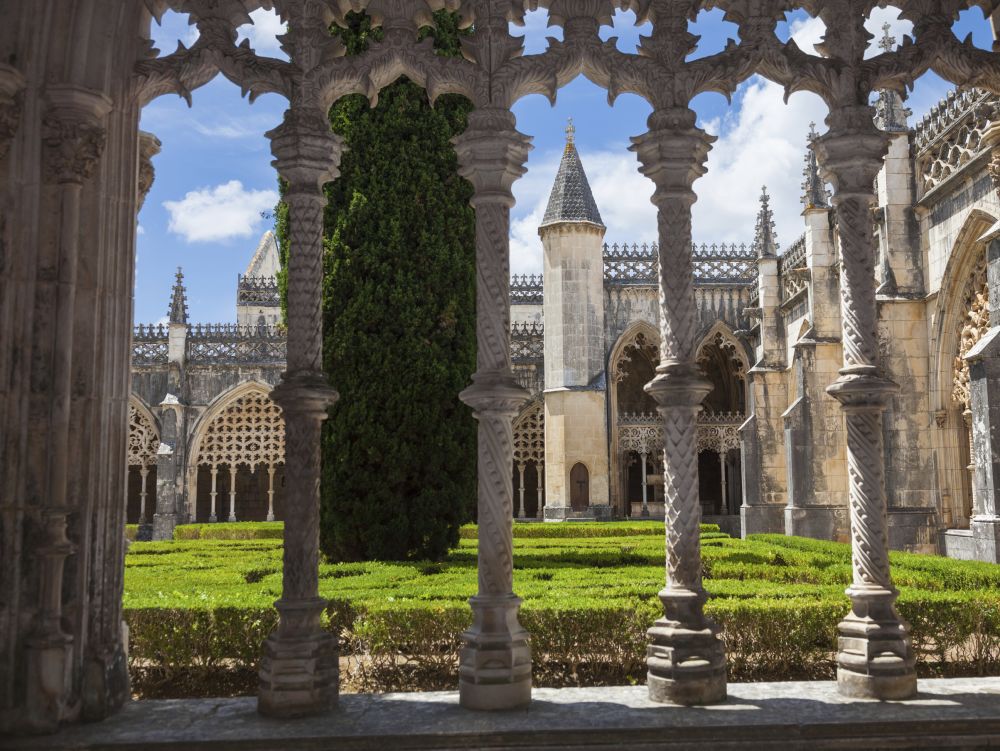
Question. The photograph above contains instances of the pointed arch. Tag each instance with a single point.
(242, 432)
(722, 335)
(965, 270)
(143, 433)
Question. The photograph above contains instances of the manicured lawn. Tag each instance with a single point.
(589, 594)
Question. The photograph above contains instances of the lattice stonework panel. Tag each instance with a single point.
(249, 432)
(143, 440)
(974, 325)
(529, 435)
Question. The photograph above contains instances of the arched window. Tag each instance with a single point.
(247, 439)
(529, 461)
(143, 442)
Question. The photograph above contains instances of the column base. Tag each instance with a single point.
(299, 670)
(875, 659)
(495, 663)
(685, 657)
(163, 526)
(766, 519)
(986, 537)
(144, 533)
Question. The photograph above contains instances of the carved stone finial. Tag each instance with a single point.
(765, 238)
(178, 312)
(570, 133)
(890, 114)
(888, 41)
(816, 196)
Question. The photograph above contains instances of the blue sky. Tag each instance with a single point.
(214, 178)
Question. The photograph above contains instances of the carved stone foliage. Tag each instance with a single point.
(529, 435)
(951, 135)
(638, 345)
(974, 324)
(248, 432)
(143, 440)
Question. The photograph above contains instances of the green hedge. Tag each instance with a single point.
(230, 531)
(199, 608)
(524, 530)
(590, 643)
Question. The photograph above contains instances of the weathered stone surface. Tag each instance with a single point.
(947, 714)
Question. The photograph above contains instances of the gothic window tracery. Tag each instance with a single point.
(250, 432)
(143, 440)
(529, 435)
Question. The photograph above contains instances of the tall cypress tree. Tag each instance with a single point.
(399, 462)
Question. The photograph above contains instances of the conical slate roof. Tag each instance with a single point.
(571, 199)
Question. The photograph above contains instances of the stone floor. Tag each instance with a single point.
(948, 714)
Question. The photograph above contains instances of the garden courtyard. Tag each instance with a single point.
(199, 606)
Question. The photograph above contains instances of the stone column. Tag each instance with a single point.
(73, 139)
(875, 658)
(539, 470)
(645, 484)
(270, 493)
(687, 663)
(299, 668)
(233, 469)
(213, 495)
(165, 517)
(520, 485)
(495, 663)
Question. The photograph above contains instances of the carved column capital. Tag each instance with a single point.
(73, 133)
(673, 153)
(492, 155)
(851, 153)
(11, 98)
(149, 146)
(306, 152)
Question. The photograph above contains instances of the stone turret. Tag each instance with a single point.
(177, 315)
(572, 233)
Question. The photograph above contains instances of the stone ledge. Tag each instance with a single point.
(948, 714)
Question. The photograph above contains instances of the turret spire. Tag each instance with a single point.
(571, 199)
(765, 239)
(178, 312)
(816, 195)
(890, 114)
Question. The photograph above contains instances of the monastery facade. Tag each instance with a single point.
(589, 443)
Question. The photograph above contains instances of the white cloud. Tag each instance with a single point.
(763, 142)
(140, 230)
(221, 213)
(263, 33)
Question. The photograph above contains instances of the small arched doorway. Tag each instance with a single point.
(579, 481)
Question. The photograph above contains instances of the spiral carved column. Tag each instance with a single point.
(495, 663)
(299, 668)
(685, 656)
(875, 658)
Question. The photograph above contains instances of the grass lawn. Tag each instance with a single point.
(589, 594)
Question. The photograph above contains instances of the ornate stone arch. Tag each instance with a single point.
(529, 434)
(529, 454)
(960, 319)
(143, 434)
(720, 350)
(143, 445)
(242, 428)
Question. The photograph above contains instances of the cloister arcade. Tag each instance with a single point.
(73, 79)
